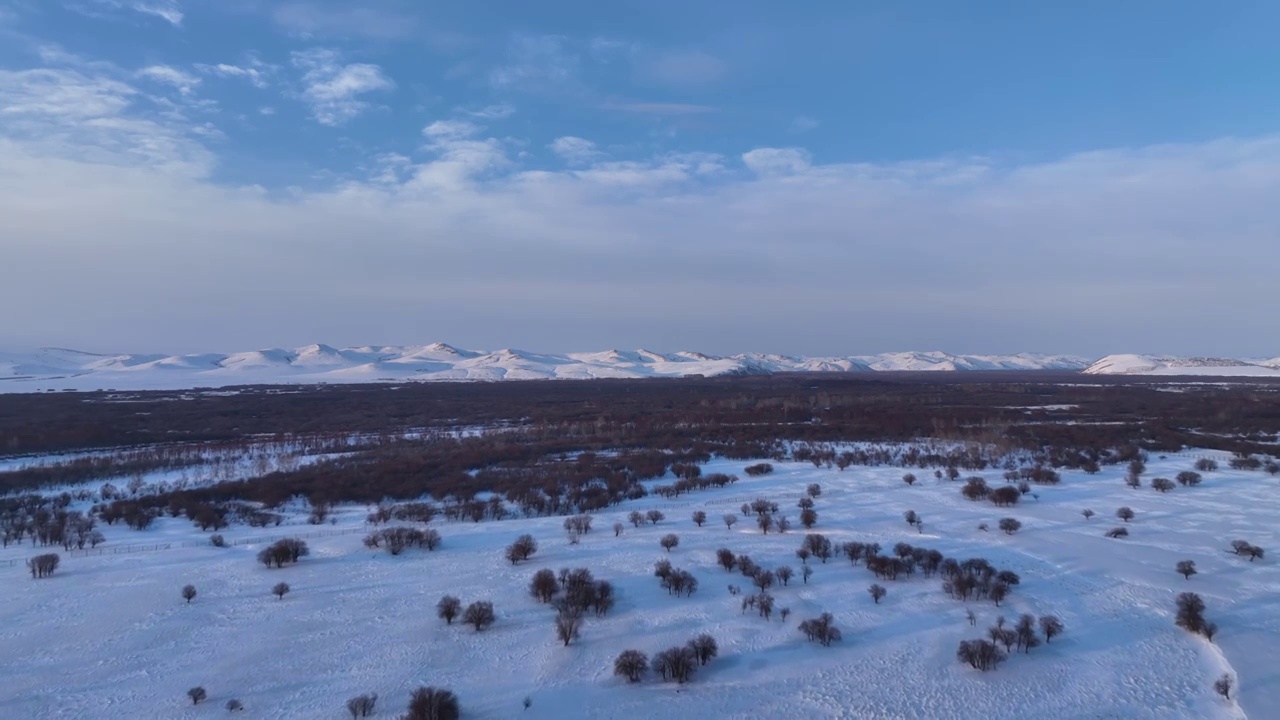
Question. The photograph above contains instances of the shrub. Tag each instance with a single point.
(448, 608)
(909, 479)
(1117, 532)
(522, 549)
(234, 705)
(42, 566)
(189, 593)
(217, 540)
(758, 469)
(631, 664)
(197, 694)
(429, 703)
(479, 615)
(280, 590)
(362, 705)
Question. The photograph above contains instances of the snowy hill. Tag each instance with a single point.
(61, 369)
(1157, 365)
(57, 369)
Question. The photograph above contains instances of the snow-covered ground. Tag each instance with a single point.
(108, 636)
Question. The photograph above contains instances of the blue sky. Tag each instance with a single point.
(822, 178)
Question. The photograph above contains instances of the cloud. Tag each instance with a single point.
(255, 74)
(680, 68)
(658, 108)
(332, 89)
(803, 124)
(184, 82)
(574, 150)
(491, 112)
(536, 63)
(169, 11)
(776, 161)
(330, 19)
(1116, 249)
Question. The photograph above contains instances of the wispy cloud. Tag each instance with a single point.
(575, 150)
(491, 112)
(681, 68)
(344, 19)
(169, 11)
(536, 63)
(255, 73)
(658, 108)
(183, 81)
(803, 124)
(333, 89)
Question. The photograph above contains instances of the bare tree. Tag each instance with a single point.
(729, 520)
(783, 613)
(362, 705)
(1125, 513)
(285, 550)
(910, 516)
(234, 705)
(806, 572)
(1051, 626)
(669, 541)
(1010, 525)
(699, 517)
(821, 629)
(764, 521)
(544, 585)
(1222, 686)
(429, 703)
(631, 664)
(782, 523)
(1117, 532)
(677, 663)
(1026, 632)
(813, 490)
(479, 615)
(1087, 513)
(726, 558)
(909, 479)
(819, 545)
(1186, 568)
(1188, 478)
(617, 529)
(808, 517)
(704, 648)
(568, 624)
(197, 694)
(448, 608)
(280, 590)
(968, 615)
(784, 574)
(522, 549)
(1162, 484)
(189, 593)
(636, 518)
(1206, 465)
(980, 654)
(655, 516)
(877, 592)
(42, 566)
(1190, 612)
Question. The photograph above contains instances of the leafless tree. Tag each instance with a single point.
(806, 572)
(1117, 532)
(362, 705)
(448, 608)
(1010, 525)
(821, 629)
(764, 522)
(699, 517)
(980, 654)
(1206, 465)
(677, 663)
(568, 624)
(42, 566)
(280, 590)
(1222, 686)
(1026, 632)
(784, 574)
(544, 585)
(1186, 568)
(669, 541)
(704, 648)
(286, 550)
(617, 529)
(1051, 626)
(197, 694)
(877, 592)
(909, 479)
(813, 490)
(729, 520)
(819, 545)
(655, 516)
(189, 593)
(522, 549)
(1190, 612)
(479, 615)
(968, 615)
(808, 517)
(1125, 513)
(429, 703)
(631, 664)
(1087, 513)
(1162, 484)
(636, 518)
(910, 516)
(783, 613)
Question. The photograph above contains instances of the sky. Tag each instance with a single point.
(820, 178)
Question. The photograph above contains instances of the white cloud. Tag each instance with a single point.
(681, 68)
(803, 124)
(536, 63)
(332, 89)
(450, 130)
(658, 108)
(183, 81)
(255, 74)
(342, 19)
(575, 150)
(776, 161)
(167, 11)
(492, 112)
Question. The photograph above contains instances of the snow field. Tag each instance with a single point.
(110, 637)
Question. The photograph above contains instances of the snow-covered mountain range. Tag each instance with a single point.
(59, 369)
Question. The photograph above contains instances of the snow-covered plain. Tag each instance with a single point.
(108, 636)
